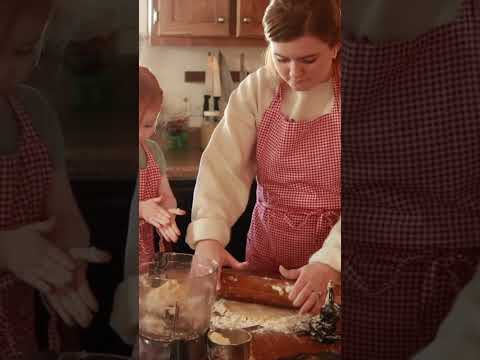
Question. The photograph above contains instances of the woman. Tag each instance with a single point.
(410, 169)
(282, 126)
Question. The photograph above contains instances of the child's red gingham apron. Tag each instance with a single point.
(410, 185)
(150, 180)
(25, 180)
(298, 186)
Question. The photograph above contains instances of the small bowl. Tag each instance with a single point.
(229, 344)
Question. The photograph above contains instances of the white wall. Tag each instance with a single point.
(143, 16)
(169, 64)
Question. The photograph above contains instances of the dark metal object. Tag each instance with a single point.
(324, 326)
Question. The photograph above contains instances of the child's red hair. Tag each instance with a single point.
(149, 91)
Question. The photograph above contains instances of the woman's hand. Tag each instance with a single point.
(170, 232)
(213, 250)
(76, 303)
(30, 256)
(309, 290)
(153, 212)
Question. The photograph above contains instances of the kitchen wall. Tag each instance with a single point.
(170, 63)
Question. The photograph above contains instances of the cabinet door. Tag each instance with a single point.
(193, 18)
(249, 18)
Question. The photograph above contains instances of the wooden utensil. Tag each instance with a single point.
(263, 289)
(266, 289)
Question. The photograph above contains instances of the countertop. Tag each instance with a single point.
(265, 291)
(182, 164)
(275, 346)
(100, 159)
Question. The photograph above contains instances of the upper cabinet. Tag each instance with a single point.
(207, 22)
(194, 18)
(249, 18)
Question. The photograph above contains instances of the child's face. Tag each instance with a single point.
(148, 122)
(19, 42)
(305, 62)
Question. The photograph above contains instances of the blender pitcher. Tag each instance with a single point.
(176, 296)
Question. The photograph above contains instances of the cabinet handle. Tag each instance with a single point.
(154, 16)
(247, 20)
(221, 20)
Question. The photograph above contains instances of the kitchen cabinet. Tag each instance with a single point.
(249, 18)
(193, 18)
(183, 191)
(207, 22)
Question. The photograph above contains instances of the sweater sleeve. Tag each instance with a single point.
(330, 253)
(228, 165)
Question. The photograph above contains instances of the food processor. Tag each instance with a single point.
(176, 296)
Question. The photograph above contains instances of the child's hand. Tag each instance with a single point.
(170, 232)
(30, 256)
(153, 212)
(76, 302)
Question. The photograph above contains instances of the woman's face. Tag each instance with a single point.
(19, 44)
(148, 122)
(303, 63)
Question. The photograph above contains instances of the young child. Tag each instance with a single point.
(41, 230)
(157, 205)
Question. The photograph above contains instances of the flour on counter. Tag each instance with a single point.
(278, 289)
(282, 290)
(237, 315)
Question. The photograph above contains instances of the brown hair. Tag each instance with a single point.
(287, 20)
(149, 90)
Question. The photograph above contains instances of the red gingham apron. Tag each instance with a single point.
(26, 177)
(150, 180)
(410, 185)
(298, 186)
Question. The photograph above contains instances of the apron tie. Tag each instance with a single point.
(320, 213)
(438, 263)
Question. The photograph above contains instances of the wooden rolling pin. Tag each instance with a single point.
(260, 289)
(255, 288)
